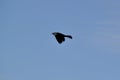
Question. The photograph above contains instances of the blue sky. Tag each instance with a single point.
(30, 52)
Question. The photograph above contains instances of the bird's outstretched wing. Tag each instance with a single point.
(59, 38)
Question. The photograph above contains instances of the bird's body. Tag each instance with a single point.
(61, 37)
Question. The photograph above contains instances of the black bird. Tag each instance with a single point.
(61, 37)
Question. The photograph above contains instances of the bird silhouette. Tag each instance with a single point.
(61, 37)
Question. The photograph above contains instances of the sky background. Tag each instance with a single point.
(28, 50)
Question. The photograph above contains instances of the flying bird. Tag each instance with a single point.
(61, 37)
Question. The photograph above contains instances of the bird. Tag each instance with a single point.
(60, 37)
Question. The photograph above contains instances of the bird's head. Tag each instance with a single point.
(54, 33)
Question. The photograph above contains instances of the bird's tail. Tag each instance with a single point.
(69, 36)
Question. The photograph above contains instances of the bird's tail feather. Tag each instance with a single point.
(69, 36)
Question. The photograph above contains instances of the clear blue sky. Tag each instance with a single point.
(28, 50)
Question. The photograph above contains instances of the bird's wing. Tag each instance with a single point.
(60, 38)
(69, 36)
